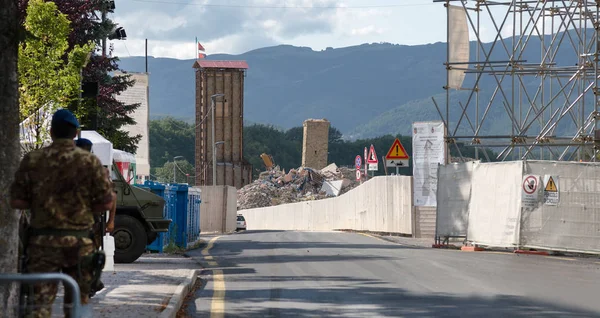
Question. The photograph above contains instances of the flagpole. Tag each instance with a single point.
(196, 49)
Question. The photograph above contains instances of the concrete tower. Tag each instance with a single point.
(315, 145)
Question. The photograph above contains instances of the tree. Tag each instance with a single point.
(47, 80)
(9, 147)
(183, 170)
(170, 137)
(105, 114)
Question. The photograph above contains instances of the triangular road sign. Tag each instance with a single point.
(551, 186)
(397, 151)
(372, 158)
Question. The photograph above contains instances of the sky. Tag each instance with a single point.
(238, 26)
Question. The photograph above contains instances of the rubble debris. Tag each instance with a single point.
(276, 187)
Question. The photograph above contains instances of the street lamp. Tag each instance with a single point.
(175, 167)
(214, 145)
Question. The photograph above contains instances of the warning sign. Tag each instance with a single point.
(529, 196)
(551, 194)
(397, 151)
(372, 158)
(550, 184)
(397, 156)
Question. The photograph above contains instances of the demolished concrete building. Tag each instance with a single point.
(278, 187)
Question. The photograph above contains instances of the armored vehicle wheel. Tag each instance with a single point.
(130, 239)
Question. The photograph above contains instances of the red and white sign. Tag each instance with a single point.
(529, 196)
(358, 161)
(372, 158)
(530, 184)
(366, 153)
(358, 174)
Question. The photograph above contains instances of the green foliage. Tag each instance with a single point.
(170, 137)
(49, 73)
(286, 148)
(180, 168)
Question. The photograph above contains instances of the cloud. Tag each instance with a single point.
(236, 26)
(368, 30)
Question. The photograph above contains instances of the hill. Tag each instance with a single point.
(365, 91)
(286, 85)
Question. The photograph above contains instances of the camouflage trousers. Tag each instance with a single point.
(50, 259)
(98, 234)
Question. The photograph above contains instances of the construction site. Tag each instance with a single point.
(542, 194)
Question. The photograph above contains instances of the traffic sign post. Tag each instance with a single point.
(397, 157)
(372, 160)
(358, 162)
(366, 165)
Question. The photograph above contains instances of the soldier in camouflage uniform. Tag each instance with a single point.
(87, 144)
(64, 187)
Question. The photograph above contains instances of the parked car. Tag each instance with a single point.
(241, 223)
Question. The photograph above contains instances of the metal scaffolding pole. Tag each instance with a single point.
(539, 73)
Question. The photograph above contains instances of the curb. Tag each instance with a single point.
(472, 248)
(528, 252)
(179, 295)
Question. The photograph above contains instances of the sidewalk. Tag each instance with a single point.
(153, 286)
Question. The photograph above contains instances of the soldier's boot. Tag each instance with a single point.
(96, 288)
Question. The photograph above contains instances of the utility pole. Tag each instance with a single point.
(214, 145)
(103, 19)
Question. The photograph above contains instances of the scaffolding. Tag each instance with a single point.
(540, 73)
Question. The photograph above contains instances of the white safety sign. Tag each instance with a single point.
(530, 187)
(551, 194)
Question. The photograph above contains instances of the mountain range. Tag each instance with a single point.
(365, 91)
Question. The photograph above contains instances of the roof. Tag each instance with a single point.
(202, 63)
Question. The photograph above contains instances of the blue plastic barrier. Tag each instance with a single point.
(193, 216)
(182, 205)
(163, 238)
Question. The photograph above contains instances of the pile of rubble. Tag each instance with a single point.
(303, 184)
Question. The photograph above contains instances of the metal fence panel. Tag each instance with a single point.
(573, 224)
(495, 203)
(453, 197)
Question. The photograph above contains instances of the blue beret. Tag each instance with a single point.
(81, 142)
(62, 116)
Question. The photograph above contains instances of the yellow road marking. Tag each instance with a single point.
(217, 305)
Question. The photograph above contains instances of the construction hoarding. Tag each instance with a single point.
(523, 204)
(573, 224)
(453, 197)
(495, 203)
(428, 153)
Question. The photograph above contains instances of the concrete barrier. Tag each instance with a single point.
(218, 209)
(382, 204)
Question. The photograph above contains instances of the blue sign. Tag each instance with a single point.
(358, 162)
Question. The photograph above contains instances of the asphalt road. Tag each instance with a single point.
(300, 274)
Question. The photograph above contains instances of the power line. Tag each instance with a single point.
(185, 174)
(287, 6)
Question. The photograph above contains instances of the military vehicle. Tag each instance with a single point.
(139, 219)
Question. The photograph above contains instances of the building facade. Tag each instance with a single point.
(139, 93)
(227, 78)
